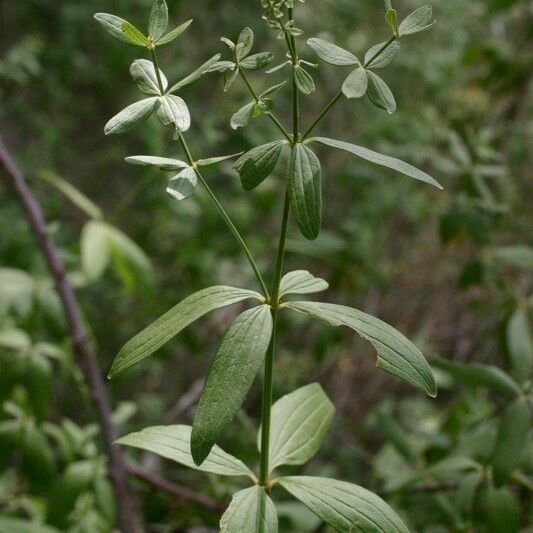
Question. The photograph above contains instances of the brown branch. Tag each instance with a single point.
(183, 493)
(119, 470)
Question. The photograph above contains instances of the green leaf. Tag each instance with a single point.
(380, 94)
(273, 89)
(16, 525)
(356, 84)
(419, 20)
(520, 344)
(392, 20)
(215, 160)
(396, 354)
(174, 34)
(300, 422)
(163, 163)
(500, 509)
(158, 23)
(134, 36)
(305, 190)
(196, 75)
(257, 61)
(245, 43)
(173, 111)
(385, 58)
(237, 360)
(517, 256)
(131, 262)
(242, 117)
(511, 440)
(131, 116)
(344, 506)
(172, 322)
(380, 159)
(183, 184)
(252, 511)
(301, 282)
(478, 375)
(304, 81)
(74, 195)
(332, 54)
(174, 443)
(143, 73)
(95, 249)
(113, 25)
(257, 164)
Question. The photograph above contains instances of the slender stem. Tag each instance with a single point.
(271, 115)
(226, 218)
(338, 96)
(322, 114)
(266, 407)
(157, 73)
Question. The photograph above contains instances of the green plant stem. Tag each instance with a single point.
(268, 380)
(271, 115)
(225, 217)
(157, 73)
(339, 95)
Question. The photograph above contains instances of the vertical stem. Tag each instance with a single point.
(157, 73)
(266, 407)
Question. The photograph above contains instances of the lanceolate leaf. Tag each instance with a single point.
(396, 354)
(387, 56)
(515, 425)
(257, 61)
(356, 84)
(174, 443)
(183, 184)
(158, 23)
(134, 36)
(196, 75)
(239, 356)
(242, 117)
(215, 160)
(301, 282)
(380, 94)
(252, 511)
(163, 163)
(305, 190)
(174, 34)
(132, 115)
(113, 25)
(178, 318)
(245, 43)
(380, 159)
(344, 506)
(173, 111)
(304, 80)
(143, 72)
(419, 20)
(257, 164)
(300, 422)
(332, 54)
(479, 375)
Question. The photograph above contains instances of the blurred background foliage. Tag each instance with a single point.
(451, 269)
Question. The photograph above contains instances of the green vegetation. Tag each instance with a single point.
(220, 259)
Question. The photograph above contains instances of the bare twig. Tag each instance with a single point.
(118, 468)
(183, 493)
